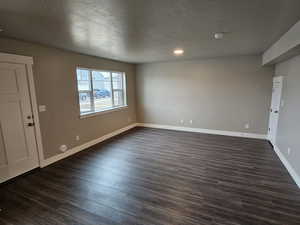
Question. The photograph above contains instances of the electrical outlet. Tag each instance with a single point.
(63, 148)
(247, 126)
(182, 121)
(289, 151)
(77, 138)
(191, 121)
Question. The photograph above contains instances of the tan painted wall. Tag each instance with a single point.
(221, 94)
(289, 122)
(55, 79)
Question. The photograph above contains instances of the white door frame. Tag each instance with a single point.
(28, 62)
(280, 80)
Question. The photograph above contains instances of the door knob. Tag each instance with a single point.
(30, 124)
(276, 111)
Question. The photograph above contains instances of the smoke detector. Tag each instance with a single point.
(219, 35)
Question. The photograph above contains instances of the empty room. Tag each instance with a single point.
(149, 112)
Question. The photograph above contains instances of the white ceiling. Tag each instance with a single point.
(148, 30)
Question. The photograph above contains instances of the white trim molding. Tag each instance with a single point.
(287, 165)
(34, 105)
(205, 131)
(84, 146)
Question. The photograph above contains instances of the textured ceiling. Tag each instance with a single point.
(148, 30)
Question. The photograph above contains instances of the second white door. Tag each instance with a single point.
(275, 109)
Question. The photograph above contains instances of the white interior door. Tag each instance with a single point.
(18, 151)
(275, 108)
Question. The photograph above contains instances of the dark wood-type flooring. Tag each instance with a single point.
(150, 176)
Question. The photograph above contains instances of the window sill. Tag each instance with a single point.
(87, 115)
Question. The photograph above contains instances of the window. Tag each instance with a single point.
(100, 91)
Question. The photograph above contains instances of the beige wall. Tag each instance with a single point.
(221, 94)
(289, 117)
(55, 78)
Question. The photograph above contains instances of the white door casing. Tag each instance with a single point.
(275, 108)
(18, 135)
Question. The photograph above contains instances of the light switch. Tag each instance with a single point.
(42, 108)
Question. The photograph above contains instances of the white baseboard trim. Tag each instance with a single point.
(287, 165)
(76, 149)
(206, 131)
(79, 148)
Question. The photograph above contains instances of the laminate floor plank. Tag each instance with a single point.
(158, 177)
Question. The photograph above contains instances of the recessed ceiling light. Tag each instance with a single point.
(1, 29)
(219, 35)
(178, 51)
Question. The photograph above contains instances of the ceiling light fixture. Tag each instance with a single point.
(1, 29)
(219, 35)
(178, 51)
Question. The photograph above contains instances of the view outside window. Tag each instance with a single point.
(84, 89)
(100, 90)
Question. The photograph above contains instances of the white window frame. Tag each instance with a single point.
(93, 112)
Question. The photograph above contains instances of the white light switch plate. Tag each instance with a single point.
(42, 108)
